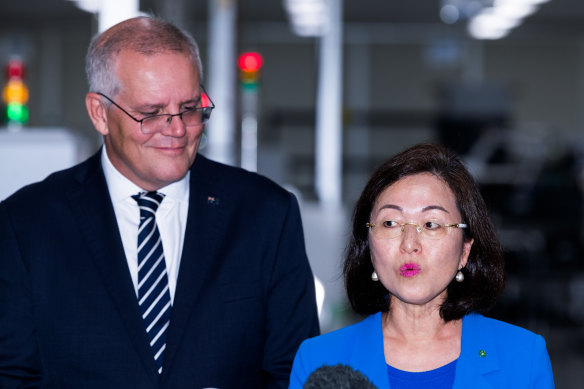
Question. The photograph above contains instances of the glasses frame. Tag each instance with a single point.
(168, 115)
(419, 228)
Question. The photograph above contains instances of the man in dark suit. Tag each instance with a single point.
(148, 265)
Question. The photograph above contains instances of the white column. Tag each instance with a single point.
(328, 174)
(221, 81)
(249, 129)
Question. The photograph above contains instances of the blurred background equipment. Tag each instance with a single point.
(342, 86)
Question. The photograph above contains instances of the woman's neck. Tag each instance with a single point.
(408, 321)
(416, 338)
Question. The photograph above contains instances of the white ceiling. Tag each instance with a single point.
(556, 14)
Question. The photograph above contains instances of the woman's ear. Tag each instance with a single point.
(466, 246)
(97, 112)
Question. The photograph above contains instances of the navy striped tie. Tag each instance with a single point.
(153, 293)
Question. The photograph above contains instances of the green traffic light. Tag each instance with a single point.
(16, 112)
(249, 86)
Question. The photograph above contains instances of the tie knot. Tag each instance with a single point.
(148, 201)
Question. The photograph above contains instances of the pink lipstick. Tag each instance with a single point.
(409, 269)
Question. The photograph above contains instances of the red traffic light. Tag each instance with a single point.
(15, 69)
(250, 62)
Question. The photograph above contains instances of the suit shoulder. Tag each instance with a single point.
(340, 340)
(507, 333)
(243, 179)
(53, 185)
(359, 345)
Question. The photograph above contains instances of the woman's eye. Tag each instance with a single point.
(390, 224)
(431, 225)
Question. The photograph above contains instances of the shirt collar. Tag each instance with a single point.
(120, 188)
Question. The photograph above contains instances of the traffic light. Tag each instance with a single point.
(250, 64)
(15, 93)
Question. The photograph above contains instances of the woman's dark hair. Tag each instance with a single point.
(484, 273)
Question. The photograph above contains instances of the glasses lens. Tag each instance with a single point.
(433, 230)
(193, 117)
(196, 116)
(388, 229)
(153, 124)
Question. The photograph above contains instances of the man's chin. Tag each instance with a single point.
(172, 176)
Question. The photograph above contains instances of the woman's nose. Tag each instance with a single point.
(410, 238)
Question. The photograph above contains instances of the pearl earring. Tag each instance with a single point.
(459, 276)
(374, 276)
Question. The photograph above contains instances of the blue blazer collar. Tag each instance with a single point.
(478, 355)
(368, 356)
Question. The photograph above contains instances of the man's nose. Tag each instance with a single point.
(175, 126)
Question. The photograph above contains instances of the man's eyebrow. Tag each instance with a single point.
(196, 100)
(148, 107)
(156, 107)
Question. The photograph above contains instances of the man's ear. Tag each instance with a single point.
(96, 110)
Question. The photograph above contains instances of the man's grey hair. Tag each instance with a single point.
(145, 35)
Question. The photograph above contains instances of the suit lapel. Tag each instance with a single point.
(205, 222)
(368, 356)
(478, 356)
(94, 214)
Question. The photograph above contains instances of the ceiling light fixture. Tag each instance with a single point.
(497, 20)
(309, 18)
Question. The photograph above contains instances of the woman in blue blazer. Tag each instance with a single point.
(424, 263)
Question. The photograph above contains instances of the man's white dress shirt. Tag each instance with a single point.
(171, 218)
